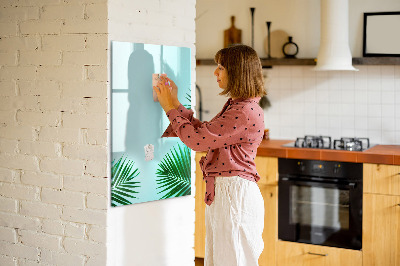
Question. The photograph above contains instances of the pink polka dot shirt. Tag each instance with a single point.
(231, 139)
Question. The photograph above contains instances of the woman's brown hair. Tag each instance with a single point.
(245, 78)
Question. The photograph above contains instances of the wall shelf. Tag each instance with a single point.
(312, 61)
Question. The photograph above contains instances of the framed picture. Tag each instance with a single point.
(381, 34)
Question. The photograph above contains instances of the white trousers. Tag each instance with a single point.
(234, 223)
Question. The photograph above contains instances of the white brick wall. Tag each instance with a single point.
(53, 122)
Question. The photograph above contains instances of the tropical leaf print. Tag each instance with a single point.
(174, 173)
(189, 98)
(123, 188)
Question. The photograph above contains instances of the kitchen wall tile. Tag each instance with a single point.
(285, 72)
(335, 122)
(374, 110)
(397, 96)
(335, 95)
(388, 124)
(397, 72)
(375, 136)
(322, 74)
(388, 84)
(374, 70)
(361, 125)
(389, 136)
(347, 122)
(388, 97)
(388, 110)
(297, 83)
(397, 110)
(308, 72)
(397, 123)
(310, 95)
(347, 109)
(322, 95)
(361, 97)
(323, 102)
(348, 96)
(334, 109)
(374, 97)
(348, 132)
(374, 123)
(297, 72)
(387, 72)
(310, 108)
(322, 121)
(397, 133)
(374, 84)
(360, 133)
(322, 109)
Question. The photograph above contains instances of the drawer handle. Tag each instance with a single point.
(318, 254)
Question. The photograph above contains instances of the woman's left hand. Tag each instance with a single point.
(164, 95)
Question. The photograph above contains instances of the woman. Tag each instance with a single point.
(235, 208)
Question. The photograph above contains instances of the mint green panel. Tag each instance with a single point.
(146, 167)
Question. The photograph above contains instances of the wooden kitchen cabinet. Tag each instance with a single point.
(298, 254)
(200, 207)
(270, 233)
(381, 179)
(381, 215)
(267, 168)
(381, 230)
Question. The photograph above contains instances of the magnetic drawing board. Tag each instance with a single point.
(144, 166)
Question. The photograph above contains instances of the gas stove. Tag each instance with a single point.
(325, 142)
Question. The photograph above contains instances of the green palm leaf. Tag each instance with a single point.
(122, 184)
(189, 98)
(174, 173)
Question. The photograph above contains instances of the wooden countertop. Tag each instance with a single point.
(379, 154)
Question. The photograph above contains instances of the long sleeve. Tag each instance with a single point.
(188, 114)
(222, 131)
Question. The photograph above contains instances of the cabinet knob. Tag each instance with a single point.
(318, 254)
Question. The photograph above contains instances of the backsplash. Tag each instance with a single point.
(332, 103)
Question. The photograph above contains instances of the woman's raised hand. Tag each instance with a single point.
(174, 92)
(164, 94)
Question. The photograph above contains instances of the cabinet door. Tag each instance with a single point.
(381, 230)
(297, 254)
(267, 168)
(200, 207)
(270, 233)
(381, 179)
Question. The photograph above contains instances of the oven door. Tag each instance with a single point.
(321, 212)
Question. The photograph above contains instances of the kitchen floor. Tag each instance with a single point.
(198, 262)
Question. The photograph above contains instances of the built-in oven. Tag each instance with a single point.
(320, 202)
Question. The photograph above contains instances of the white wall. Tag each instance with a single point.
(337, 104)
(160, 232)
(299, 18)
(53, 144)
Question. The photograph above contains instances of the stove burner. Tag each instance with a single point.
(351, 144)
(324, 142)
(308, 141)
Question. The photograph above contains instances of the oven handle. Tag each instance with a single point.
(297, 181)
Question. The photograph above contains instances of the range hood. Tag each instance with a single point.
(334, 51)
